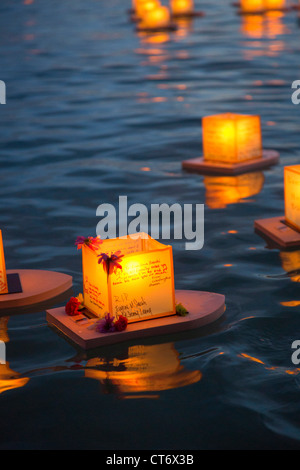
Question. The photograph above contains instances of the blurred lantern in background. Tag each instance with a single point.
(231, 138)
(155, 19)
(182, 7)
(144, 6)
(252, 6)
(3, 278)
(292, 196)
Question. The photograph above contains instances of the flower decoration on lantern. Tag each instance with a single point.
(91, 242)
(74, 306)
(110, 263)
(108, 325)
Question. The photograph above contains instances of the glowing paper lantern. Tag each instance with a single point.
(232, 138)
(145, 6)
(182, 7)
(252, 6)
(3, 278)
(292, 195)
(142, 288)
(155, 19)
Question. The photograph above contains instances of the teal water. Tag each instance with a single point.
(90, 105)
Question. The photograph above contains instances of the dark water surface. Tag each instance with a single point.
(91, 106)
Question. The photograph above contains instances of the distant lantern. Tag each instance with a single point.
(253, 6)
(144, 6)
(292, 195)
(182, 7)
(232, 138)
(3, 277)
(156, 19)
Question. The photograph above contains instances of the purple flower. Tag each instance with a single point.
(106, 325)
(110, 263)
(92, 242)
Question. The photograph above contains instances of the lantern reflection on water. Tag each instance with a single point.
(290, 261)
(268, 26)
(224, 190)
(145, 369)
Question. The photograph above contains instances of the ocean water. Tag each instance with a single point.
(95, 110)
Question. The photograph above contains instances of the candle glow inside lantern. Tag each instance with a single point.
(232, 138)
(155, 19)
(3, 277)
(292, 196)
(140, 288)
(182, 7)
(252, 6)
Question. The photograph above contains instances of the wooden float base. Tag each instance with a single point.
(204, 308)
(263, 12)
(37, 286)
(276, 230)
(205, 167)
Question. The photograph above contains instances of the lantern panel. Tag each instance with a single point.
(3, 278)
(142, 289)
(156, 18)
(231, 138)
(292, 195)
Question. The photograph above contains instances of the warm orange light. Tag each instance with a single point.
(224, 190)
(9, 379)
(156, 18)
(147, 368)
(3, 278)
(142, 289)
(292, 195)
(253, 6)
(231, 138)
(290, 261)
(182, 7)
(144, 6)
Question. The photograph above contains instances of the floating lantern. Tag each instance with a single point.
(3, 277)
(285, 231)
(144, 369)
(224, 190)
(156, 19)
(183, 8)
(232, 144)
(231, 138)
(260, 6)
(292, 196)
(138, 285)
(129, 293)
(145, 6)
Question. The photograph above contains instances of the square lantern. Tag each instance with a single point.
(3, 277)
(253, 6)
(292, 196)
(139, 284)
(285, 230)
(231, 138)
